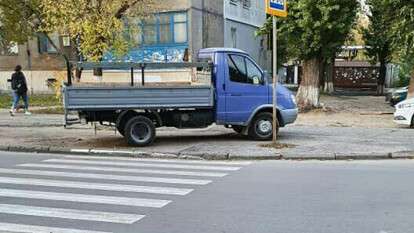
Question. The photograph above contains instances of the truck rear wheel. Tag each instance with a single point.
(261, 128)
(140, 131)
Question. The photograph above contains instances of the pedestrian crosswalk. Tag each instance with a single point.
(106, 190)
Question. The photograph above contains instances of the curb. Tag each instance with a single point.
(208, 156)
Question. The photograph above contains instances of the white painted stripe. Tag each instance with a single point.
(95, 186)
(83, 198)
(80, 150)
(126, 170)
(111, 152)
(104, 176)
(70, 214)
(230, 163)
(39, 229)
(139, 164)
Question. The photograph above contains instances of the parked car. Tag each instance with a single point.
(404, 114)
(394, 96)
(237, 95)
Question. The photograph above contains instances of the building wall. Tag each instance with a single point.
(253, 15)
(206, 25)
(241, 24)
(38, 68)
(246, 40)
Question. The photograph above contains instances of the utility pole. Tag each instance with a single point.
(275, 8)
(275, 79)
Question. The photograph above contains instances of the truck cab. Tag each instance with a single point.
(244, 93)
(238, 96)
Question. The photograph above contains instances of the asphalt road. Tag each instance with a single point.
(66, 194)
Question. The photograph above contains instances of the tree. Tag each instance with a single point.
(314, 31)
(404, 30)
(95, 25)
(379, 37)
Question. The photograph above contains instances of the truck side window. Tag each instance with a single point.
(254, 75)
(237, 69)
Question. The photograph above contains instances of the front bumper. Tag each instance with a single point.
(289, 116)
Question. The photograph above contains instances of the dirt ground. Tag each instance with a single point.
(350, 111)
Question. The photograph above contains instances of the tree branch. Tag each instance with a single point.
(126, 6)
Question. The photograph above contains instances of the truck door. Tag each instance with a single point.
(245, 90)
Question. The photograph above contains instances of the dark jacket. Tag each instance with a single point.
(19, 83)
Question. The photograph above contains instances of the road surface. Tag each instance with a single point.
(75, 194)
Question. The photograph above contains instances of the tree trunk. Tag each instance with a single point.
(322, 72)
(329, 86)
(381, 80)
(411, 87)
(309, 92)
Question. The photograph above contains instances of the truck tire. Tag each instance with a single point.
(261, 127)
(237, 128)
(140, 131)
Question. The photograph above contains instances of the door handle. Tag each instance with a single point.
(236, 94)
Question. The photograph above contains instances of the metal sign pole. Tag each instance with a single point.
(275, 79)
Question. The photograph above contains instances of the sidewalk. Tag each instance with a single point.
(45, 133)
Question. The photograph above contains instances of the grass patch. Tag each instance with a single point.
(34, 101)
(50, 110)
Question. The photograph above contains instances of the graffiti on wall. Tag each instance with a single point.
(150, 54)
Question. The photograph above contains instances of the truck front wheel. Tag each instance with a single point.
(140, 131)
(261, 128)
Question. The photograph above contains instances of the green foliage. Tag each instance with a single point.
(96, 26)
(316, 28)
(406, 65)
(379, 36)
(34, 100)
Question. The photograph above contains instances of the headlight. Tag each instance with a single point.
(293, 99)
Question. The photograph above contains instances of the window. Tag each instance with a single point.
(133, 31)
(234, 37)
(243, 70)
(234, 2)
(45, 46)
(254, 75)
(237, 69)
(180, 28)
(149, 30)
(165, 29)
(160, 29)
(247, 4)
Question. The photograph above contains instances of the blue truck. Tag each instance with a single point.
(238, 96)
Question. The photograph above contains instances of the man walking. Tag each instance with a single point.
(19, 90)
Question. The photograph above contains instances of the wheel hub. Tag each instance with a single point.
(265, 126)
(140, 132)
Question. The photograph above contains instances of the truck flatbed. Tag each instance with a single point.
(141, 97)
